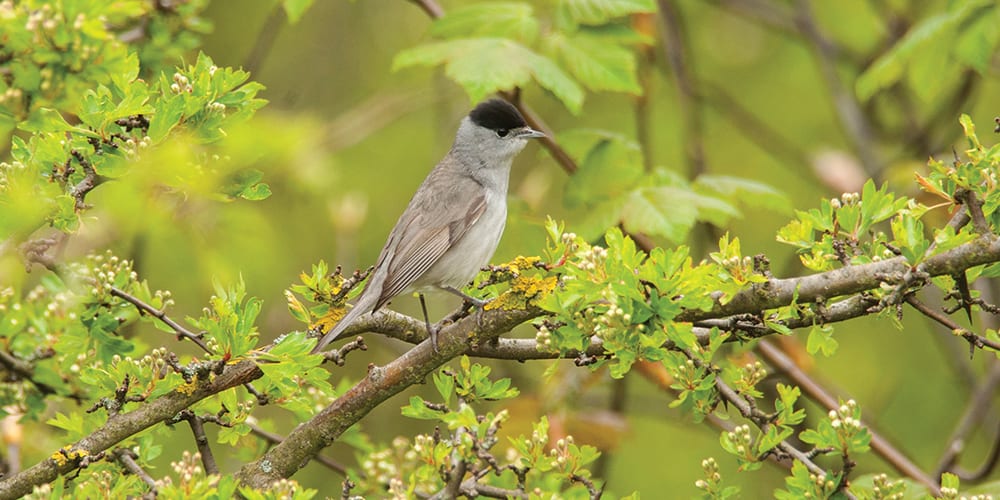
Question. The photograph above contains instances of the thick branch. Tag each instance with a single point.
(381, 383)
(123, 425)
(847, 280)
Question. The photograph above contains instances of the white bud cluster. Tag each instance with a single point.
(821, 482)
(188, 468)
(380, 465)
(11, 94)
(843, 417)
(8, 170)
(687, 370)
(133, 145)
(543, 338)
(181, 84)
(41, 18)
(593, 259)
(754, 372)
(740, 435)
(882, 486)
(561, 450)
(284, 489)
(711, 468)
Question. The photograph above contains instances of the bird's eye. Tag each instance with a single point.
(502, 132)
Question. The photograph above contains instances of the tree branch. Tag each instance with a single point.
(381, 383)
(776, 358)
(848, 280)
(160, 315)
(123, 425)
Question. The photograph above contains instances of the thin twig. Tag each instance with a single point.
(23, 370)
(127, 458)
(430, 7)
(264, 41)
(852, 117)
(160, 315)
(201, 441)
(761, 421)
(974, 340)
(689, 100)
(780, 361)
(978, 406)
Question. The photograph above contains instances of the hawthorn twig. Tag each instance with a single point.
(814, 390)
(162, 316)
(979, 404)
(974, 340)
(127, 458)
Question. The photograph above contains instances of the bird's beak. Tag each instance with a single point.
(529, 133)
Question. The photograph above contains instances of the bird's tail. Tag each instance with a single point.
(364, 305)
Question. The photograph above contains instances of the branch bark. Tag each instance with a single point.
(123, 425)
(381, 383)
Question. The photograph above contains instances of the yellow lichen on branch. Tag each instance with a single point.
(67, 454)
(523, 290)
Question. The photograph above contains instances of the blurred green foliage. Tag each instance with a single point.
(117, 94)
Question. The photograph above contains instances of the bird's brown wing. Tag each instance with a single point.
(422, 239)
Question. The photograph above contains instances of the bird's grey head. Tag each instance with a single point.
(493, 132)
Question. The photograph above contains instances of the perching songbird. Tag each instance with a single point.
(454, 222)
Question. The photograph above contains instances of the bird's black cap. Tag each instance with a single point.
(497, 114)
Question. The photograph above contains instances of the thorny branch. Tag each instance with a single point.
(162, 316)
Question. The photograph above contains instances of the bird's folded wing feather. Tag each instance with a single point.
(426, 237)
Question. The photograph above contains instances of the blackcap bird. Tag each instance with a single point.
(452, 225)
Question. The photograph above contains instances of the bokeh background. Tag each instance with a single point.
(346, 140)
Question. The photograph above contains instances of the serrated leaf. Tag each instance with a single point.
(294, 9)
(483, 66)
(747, 191)
(609, 168)
(597, 63)
(597, 12)
(821, 340)
(889, 68)
(656, 211)
(977, 41)
(500, 19)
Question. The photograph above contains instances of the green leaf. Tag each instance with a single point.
(746, 191)
(72, 422)
(610, 166)
(294, 9)
(596, 12)
(483, 66)
(658, 211)
(500, 19)
(935, 31)
(596, 62)
(821, 340)
(977, 42)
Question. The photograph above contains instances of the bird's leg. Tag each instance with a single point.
(478, 303)
(430, 328)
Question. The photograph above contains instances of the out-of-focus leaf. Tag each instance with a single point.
(500, 19)
(933, 31)
(483, 66)
(597, 63)
(610, 167)
(295, 8)
(747, 191)
(656, 211)
(601, 11)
